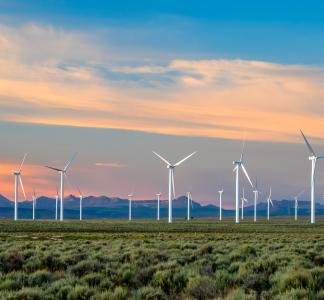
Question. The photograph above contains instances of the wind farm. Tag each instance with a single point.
(156, 150)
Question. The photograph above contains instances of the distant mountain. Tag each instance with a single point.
(106, 207)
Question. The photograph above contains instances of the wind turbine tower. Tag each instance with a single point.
(243, 200)
(313, 158)
(238, 164)
(256, 197)
(220, 203)
(130, 198)
(63, 175)
(171, 168)
(269, 201)
(158, 205)
(17, 175)
(189, 204)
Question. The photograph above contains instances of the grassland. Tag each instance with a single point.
(200, 259)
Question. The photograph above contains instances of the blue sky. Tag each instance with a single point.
(178, 76)
(276, 31)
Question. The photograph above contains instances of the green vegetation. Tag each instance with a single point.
(201, 259)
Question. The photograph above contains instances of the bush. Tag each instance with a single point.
(92, 279)
(202, 288)
(85, 267)
(150, 293)
(29, 294)
(296, 280)
(40, 278)
(80, 293)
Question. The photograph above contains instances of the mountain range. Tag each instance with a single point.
(96, 207)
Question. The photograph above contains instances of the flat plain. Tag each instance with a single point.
(146, 259)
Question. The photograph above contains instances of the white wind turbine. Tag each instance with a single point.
(34, 197)
(296, 203)
(220, 203)
(239, 164)
(158, 205)
(81, 200)
(130, 198)
(17, 175)
(243, 199)
(171, 179)
(313, 158)
(269, 201)
(62, 173)
(56, 203)
(256, 197)
(189, 203)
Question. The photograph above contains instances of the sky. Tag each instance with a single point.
(115, 80)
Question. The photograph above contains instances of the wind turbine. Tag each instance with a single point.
(243, 200)
(239, 164)
(130, 198)
(220, 203)
(269, 200)
(158, 205)
(17, 175)
(189, 203)
(171, 168)
(81, 199)
(256, 197)
(313, 158)
(56, 203)
(62, 173)
(296, 203)
(34, 197)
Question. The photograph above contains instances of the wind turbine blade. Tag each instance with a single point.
(308, 144)
(182, 160)
(52, 168)
(246, 174)
(299, 194)
(235, 168)
(256, 184)
(70, 162)
(243, 147)
(162, 158)
(271, 202)
(22, 163)
(69, 182)
(22, 187)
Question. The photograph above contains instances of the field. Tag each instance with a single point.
(200, 259)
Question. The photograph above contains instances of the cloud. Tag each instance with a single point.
(110, 165)
(60, 77)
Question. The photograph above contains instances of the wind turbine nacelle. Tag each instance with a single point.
(170, 167)
(15, 173)
(236, 162)
(312, 157)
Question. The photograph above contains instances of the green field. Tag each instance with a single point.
(200, 259)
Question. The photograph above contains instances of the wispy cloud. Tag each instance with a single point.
(110, 165)
(54, 76)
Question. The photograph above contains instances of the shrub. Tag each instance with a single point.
(296, 280)
(223, 280)
(92, 279)
(85, 267)
(80, 293)
(202, 288)
(150, 293)
(40, 278)
(237, 294)
(30, 294)
(162, 279)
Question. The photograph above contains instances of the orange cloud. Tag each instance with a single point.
(209, 98)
